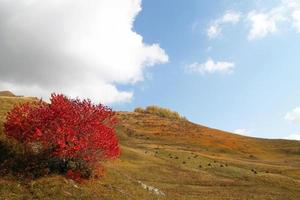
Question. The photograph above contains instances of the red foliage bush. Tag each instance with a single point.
(69, 129)
(75, 175)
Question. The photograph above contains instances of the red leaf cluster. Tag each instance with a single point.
(69, 128)
(75, 175)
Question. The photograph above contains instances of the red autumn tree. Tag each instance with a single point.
(67, 128)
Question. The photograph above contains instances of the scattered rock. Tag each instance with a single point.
(67, 193)
(151, 189)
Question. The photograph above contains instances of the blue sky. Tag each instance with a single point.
(254, 98)
(227, 64)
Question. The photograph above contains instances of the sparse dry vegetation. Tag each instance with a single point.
(162, 112)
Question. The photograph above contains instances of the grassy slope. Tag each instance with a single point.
(7, 94)
(150, 146)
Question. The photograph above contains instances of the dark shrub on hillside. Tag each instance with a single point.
(5, 152)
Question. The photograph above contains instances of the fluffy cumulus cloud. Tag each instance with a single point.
(211, 67)
(215, 28)
(81, 48)
(293, 116)
(263, 24)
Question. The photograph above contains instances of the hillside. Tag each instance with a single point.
(179, 159)
(7, 94)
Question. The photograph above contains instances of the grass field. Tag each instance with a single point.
(168, 158)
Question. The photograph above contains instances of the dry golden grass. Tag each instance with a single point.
(186, 161)
(7, 94)
(161, 112)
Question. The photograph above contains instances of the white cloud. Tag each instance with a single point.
(290, 3)
(215, 29)
(263, 24)
(231, 17)
(73, 46)
(268, 22)
(296, 19)
(210, 67)
(293, 137)
(293, 116)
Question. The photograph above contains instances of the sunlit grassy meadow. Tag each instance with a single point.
(180, 159)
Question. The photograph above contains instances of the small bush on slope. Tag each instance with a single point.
(162, 112)
(72, 133)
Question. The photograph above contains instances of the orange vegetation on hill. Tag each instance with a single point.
(178, 130)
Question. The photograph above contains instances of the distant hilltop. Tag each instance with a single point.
(7, 93)
(162, 112)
